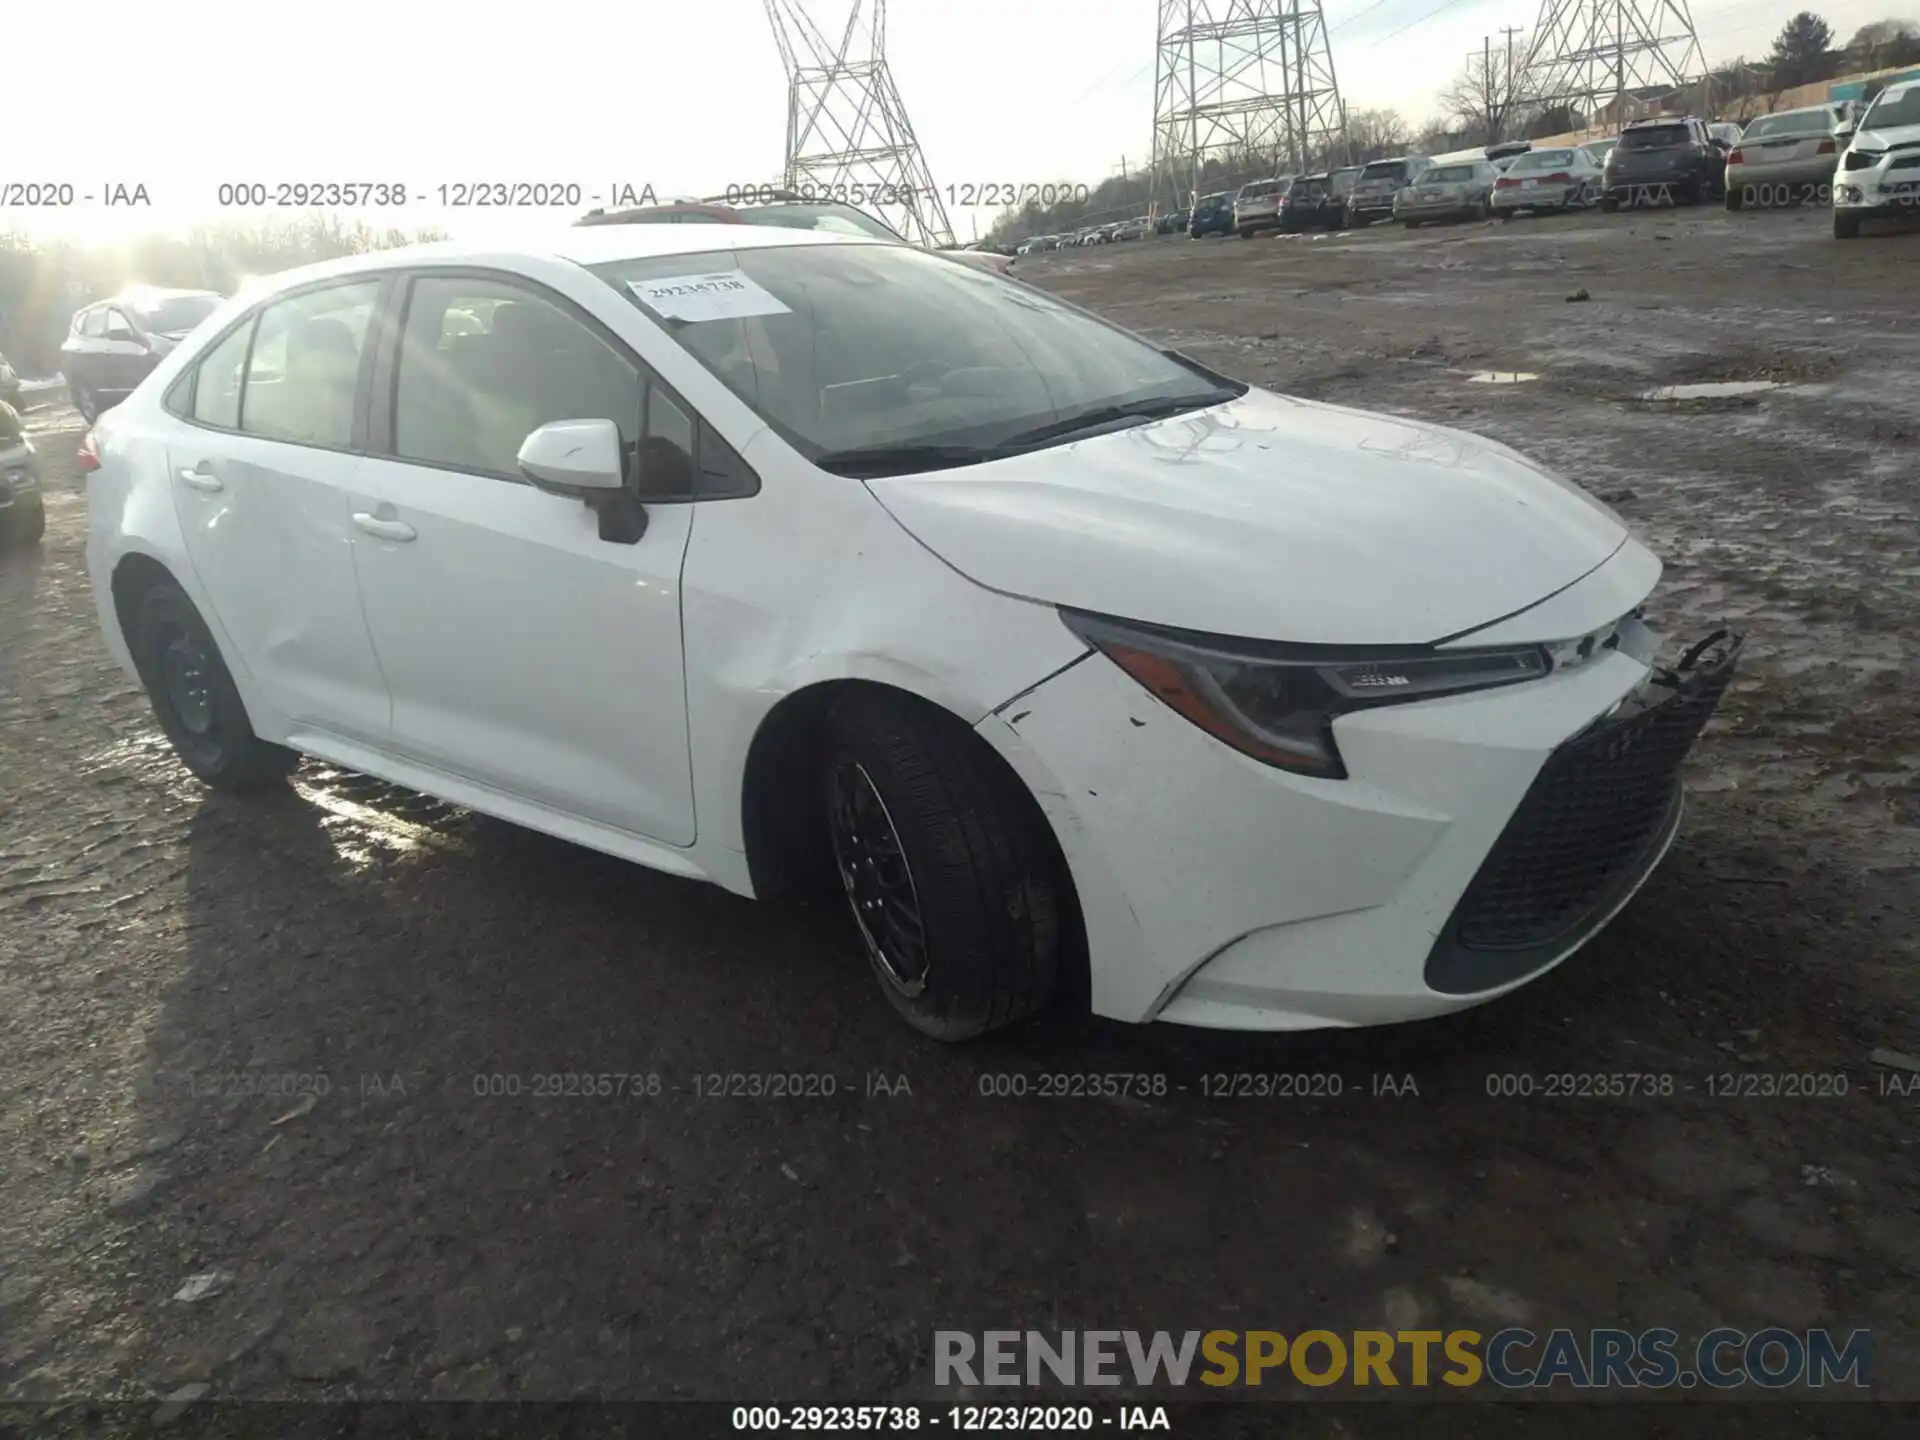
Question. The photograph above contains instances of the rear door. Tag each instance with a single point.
(261, 465)
(525, 652)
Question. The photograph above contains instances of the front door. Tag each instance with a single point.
(524, 652)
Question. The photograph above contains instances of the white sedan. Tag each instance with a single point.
(761, 556)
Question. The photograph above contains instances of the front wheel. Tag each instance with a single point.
(1845, 227)
(946, 864)
(194, 697)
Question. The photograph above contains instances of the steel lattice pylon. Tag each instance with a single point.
(847, 130)
(1591, 53)
(1240, 78)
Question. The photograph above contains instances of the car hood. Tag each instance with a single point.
(1886, 139)
(1267, 518)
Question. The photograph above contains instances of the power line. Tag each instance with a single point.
(1444, 5)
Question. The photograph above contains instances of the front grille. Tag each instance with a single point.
(1586, 831)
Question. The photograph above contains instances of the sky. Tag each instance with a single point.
(688, 99)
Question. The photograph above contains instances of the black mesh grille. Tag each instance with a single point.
(1581, 837)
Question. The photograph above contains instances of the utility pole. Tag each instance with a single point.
(1486, 85)
(1507, 97)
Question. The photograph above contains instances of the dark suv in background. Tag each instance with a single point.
(1664, 160)
(114, 344)
(1212, 215)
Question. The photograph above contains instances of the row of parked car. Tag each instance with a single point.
(1137, 228)
(1864, 160)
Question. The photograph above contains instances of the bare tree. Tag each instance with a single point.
(1482, 98)
(1374, 135)
(1883, 44)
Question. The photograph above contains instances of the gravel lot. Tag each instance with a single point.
(179, 971)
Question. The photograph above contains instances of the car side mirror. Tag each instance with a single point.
(585, 459)
(573, 457)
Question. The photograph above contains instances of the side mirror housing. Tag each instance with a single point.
(573, 457)
(583, 459)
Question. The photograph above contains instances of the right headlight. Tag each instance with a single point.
(1277, 703)
(1862, 159)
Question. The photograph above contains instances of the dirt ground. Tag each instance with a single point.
(179, 973)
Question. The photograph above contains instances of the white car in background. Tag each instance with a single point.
(1879, 174)
(749, 554)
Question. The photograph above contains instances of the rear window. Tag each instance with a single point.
(1656, 137)
(1385, 170)
(1259, 188)
(1447, 175)
(1541, 160)
(1792, 122)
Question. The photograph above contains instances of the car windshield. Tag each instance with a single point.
(1655, 137)
(1385, 170)
(1894, 109)
(175, 314)
(837, 219)
(1447, 175)
(863, 357)
(1540, 160)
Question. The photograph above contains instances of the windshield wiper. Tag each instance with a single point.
(1099, 415)
(873, 461)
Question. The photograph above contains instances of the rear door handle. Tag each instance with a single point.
(384, 529)
(203, 480)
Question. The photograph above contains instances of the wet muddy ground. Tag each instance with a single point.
(295, 1047)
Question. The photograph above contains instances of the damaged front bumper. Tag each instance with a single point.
(1479, 840)
(1593, 825)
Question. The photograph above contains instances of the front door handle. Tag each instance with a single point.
(384, 529)
(203, 480)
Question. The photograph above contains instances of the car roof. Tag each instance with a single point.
(583, 245)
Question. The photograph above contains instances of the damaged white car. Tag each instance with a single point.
(766, 556)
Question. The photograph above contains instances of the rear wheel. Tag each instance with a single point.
(1735, 198)
(84, 400)
(194, 697)
(946, 864)
(1609, 204)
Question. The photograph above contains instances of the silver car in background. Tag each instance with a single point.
(1448, 192)
(1787, 158)
(1545, 181)
(1374, 191)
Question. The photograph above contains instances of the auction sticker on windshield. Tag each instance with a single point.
(727, 295)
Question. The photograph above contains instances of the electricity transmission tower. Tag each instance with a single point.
(847, 130)
(1588, 54)
(1241, 79)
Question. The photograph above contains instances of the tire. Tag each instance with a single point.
(1246, 234)
(1609, 204)
(83, 400)
(1845, 227)
(24, 525)
(1410, 223)
(921, 818)
(1735, 199)
(194, 697)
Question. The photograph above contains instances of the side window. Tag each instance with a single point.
(118, 326)
(306, 358)
(469, 391)
(216, 389)
(94, 323)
